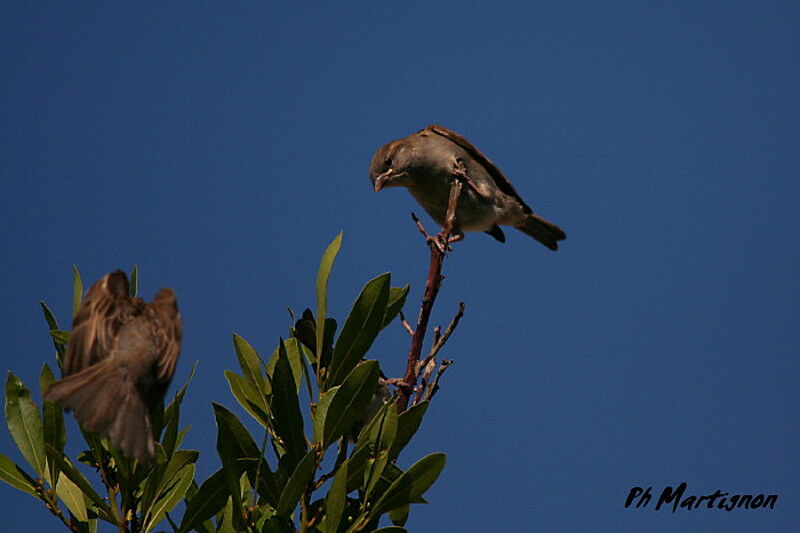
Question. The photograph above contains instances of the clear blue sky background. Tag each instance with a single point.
(222, 146)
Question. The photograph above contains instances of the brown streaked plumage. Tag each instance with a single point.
(119, 363)
(428, 161)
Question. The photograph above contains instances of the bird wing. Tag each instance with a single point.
(500, 179)
(169, 331)
(103, 311)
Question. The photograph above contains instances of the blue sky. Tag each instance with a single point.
(221, 147)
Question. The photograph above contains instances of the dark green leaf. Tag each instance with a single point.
(52, 416)
(209, 499)
(390, 529)
(325, 266)
(350, 400)
(320, 412)
(250, 363)
(286, 411)
(239, 453)
(53, 324)
(162, 483)
(235, 447)
(358, 458)
(297, 484)
(248, 397)
(295, 361)
(60, 336)
(407, 424)
(411, 484)
(381, 438)
(278, 524)
(172, 417)
(134, 281)
(77, 290)
(360, 329)
(172, 494)
(335, 501)
(24, 423)
(397, 298)
(49, 316)
(399, 516)
(16, 476)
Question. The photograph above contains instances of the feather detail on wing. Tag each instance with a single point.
(503, 183)
(104, 310)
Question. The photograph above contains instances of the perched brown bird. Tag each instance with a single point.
(427, 162)
(119, 362)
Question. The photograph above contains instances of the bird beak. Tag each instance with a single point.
(386, 179)
(381, 180)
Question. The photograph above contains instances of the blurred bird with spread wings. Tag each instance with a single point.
(119, 362)
(427, 162)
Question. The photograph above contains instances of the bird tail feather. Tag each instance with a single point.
(105, 400)
(542, 230)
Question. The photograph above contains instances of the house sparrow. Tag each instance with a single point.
(428, 161)
(119, 362)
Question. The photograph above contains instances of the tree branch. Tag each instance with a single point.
(438, 246)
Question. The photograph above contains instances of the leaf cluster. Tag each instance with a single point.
(326, 461)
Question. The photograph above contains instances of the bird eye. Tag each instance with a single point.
(388, 161)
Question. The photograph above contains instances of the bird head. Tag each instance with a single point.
(391, 166)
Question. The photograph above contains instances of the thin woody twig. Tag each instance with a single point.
(437, 334)
(405, 324)
(420, 227)
(435, 387)
(426, 376)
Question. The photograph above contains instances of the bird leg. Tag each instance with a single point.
(460, 173)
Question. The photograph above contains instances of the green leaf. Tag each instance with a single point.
(248, 396)
(60, 336)
(25, 424)
(53, 325)
(360, 329)
(297, 484)
(162, 482)
(172, 417)
(397, 299)
(227, 522)
(350, 401)
(295, 361)
(76, 477)
(335, 500)
(390, 529)
(16, 476)
(235, 446)
(53, 429)
(171, 496)
(239, 453)
(325, 266)
(134, 281)
(381, 438)
(320, 412)
(77, 290)
(361, 452)
(250, 362)
(286, 410)
(399, 516)
(72, 496)
(209, 499)
(277, 524)
(49, 316)
(411, 484)
(407, 424)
